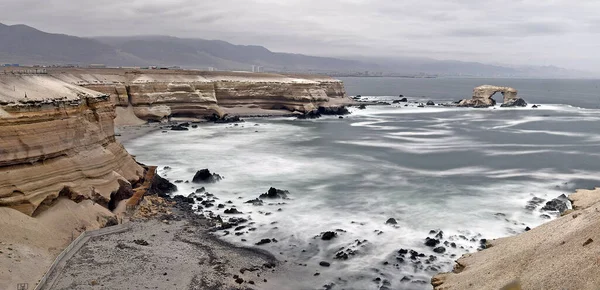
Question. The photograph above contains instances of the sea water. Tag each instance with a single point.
(468, 172)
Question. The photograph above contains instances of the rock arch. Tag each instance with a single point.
(482, 96)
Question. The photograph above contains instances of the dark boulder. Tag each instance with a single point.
(225, 119)
(333, 110)
(310, 115)
(534, 107)
(232, 211)
(179, 128)
(275, 193)
(184, 199)
(328, 236)
(391, 221)
(560, 204)
(440, 250)
(161, 186)
(324, 264)
(204, 176)
(263, 241)
(403, 100)
(430, 103)
(534, 203)
(362, 107)
(255, 201)
(518, 102)
(431, 242)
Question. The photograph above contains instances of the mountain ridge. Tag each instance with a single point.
(27, 45)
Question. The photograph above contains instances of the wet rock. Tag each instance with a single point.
(440, 250)
(310, 115)
(204, 176)
(518, 102)
(534, 203)
(560, 204)
(225, 119)
(200, 190)
(545, 216)
(184, 199)
(431, 242)
(179, 128)
(275, 193)
(430, 103)
(534, 107)
(439, 235)
(232, 211)
(341, 110)
(328, 236)
(527, 229)
(403, 99)
(391, 221)
(256, 201)
(589, 241)
(362, 107)
(263, 241)
(324, 264)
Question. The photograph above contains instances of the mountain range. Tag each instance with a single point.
(26, 45)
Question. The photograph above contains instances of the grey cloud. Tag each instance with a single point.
(467, 30)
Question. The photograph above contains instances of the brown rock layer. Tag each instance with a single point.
(57, 138)
(158, 94)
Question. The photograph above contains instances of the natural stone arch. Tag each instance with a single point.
(482, 96)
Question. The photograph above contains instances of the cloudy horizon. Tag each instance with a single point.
(525, 32)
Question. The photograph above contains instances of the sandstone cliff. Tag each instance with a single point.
(58, 139)
(155, 95)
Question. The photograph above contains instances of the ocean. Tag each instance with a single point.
(466, 172)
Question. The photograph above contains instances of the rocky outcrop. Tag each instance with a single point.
(482, 96)
(57, 139)
(155, 95)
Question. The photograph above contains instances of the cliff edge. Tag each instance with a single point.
(156, 95)
(58, 139)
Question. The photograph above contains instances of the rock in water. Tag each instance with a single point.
(560, 204)
(275, 193)
(324, 264)
(430, 103)
(431, 242)
(204, 176)
(179, 128)
(440, 250)
(391, 221)
(403, 100)
(328, 236)
(518, 102)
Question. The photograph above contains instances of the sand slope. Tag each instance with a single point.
(561, 254)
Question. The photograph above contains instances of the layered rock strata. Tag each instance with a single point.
(57, 139)
(155, 95)
(482, 96)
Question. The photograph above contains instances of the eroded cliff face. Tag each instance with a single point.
(155, 95)
(57, 139)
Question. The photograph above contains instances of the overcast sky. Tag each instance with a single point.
(519, 32)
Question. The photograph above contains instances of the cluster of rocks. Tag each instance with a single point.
(224, 119)
(558, 205)
(275, 193)
(351, 250)
(324, 111)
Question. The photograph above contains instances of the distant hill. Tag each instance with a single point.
(26, 45)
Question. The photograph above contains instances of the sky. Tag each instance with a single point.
(564, 33)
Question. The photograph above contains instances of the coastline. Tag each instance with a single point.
(560, 254)
(173, 249)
